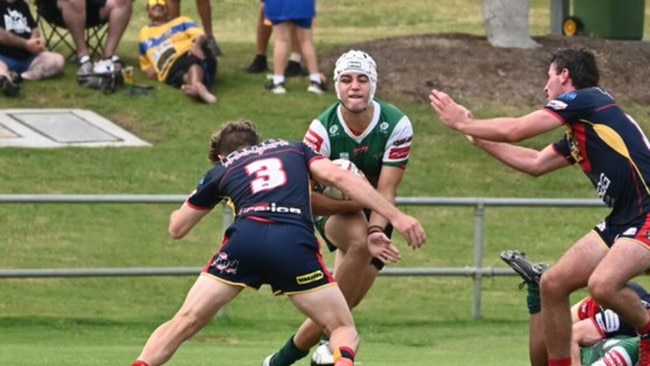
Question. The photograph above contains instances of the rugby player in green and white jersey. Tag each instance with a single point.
(376, 136)
(622, 351)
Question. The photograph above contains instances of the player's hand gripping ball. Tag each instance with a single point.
(334, 192)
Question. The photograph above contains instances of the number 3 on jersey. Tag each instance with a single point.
(267, 174)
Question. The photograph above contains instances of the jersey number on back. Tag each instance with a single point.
(267, 174)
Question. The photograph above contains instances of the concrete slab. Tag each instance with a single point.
(50, 128)
(5, 133)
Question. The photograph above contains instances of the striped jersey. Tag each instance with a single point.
(161, 45)
(610, 148)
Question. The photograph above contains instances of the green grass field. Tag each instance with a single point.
(405, 320)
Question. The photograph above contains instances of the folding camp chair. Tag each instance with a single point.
(54, 31)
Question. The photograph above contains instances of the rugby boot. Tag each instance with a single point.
(530, 272)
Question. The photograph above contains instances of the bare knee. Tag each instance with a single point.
(72, 6)
(358, 246)
(553, 287)
(601, 289)
(57, 61)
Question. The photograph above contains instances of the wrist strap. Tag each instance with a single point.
(375, 229)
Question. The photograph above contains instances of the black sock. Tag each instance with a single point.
(288, 354)
(533, 299)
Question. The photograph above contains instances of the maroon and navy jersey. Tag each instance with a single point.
(608, 322)
(269, 181)
(610, 148)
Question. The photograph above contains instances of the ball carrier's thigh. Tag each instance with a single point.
(353, 270)
(347, 231)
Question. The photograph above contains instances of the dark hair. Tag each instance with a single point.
(581, 64)
(232, 136)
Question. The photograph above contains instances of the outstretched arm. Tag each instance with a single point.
(504, 129)
(524, 159)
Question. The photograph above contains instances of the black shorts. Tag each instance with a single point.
(285, 256)
(637, 229)
(183, 63)
(51, 12)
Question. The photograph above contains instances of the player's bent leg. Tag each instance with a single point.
(203, 301)
(328, 309)
(348, 233)
(626, 259)
(310, 332)
(298, 346)
(308, 335)
(567, 275)
(365, 277)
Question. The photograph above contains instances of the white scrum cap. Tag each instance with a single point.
(355, 61)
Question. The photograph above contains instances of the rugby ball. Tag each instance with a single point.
(322, 356)
(334, 192)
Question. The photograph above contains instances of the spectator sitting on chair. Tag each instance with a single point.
(175, 52)
(22, 51)
(77, 15)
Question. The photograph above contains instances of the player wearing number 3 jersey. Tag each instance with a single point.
(272, 239)
(376, 137)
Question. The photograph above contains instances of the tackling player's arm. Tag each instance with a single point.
(316, 137)
(524, 159)
(357, 188)
(323, 205)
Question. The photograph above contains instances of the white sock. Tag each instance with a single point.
(278, 79)
(296, 57)
(315, 78)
